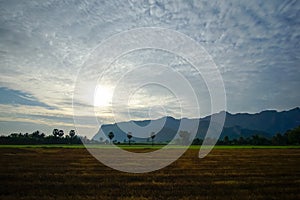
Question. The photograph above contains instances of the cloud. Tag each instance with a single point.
(45, 44)
(16, 97)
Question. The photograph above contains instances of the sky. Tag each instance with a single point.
(47, 47)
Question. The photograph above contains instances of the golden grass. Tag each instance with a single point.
(60, 173)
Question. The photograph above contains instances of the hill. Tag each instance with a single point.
(266, 123)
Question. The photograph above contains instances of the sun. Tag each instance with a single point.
(103, 95)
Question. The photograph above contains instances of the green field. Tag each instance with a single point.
(75, 146)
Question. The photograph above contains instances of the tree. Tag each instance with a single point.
(197, 141)
(259, 140)
(61, 133)
(241, 140)
(152, 137)
(72, 133)
(226, 140)
(129, 136)
(55, 132)
(111, 136)
(36, 134)
(279, 139)
(185, 136)
(255, 139)
(101, 139)
(293, 136)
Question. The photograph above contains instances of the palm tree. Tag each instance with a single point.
(72, 133)
(152, 137)
(55, 132)
(129, 135)
(61, 133)
(111, 136)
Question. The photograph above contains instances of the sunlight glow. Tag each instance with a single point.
(103, 96)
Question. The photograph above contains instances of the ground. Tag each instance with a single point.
(72, 173)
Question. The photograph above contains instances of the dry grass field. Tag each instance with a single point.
(60, 173)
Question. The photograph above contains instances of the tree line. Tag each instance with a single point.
(37, 137)
(290, 137)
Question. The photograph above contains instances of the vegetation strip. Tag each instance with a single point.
(149, 146)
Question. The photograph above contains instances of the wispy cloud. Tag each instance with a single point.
(15, 97)
(45, 44)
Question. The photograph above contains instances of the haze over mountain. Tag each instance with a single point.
(266, 123)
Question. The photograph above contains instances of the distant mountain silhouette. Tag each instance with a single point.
(269, 121)
(266, 123)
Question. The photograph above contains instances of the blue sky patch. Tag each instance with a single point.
(16, 97)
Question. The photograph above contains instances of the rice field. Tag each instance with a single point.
(65, 172)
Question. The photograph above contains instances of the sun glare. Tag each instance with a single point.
(103, 96)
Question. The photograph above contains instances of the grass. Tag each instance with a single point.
(76, 146)
(72, 173)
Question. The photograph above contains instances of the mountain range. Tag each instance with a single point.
(266, 123)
